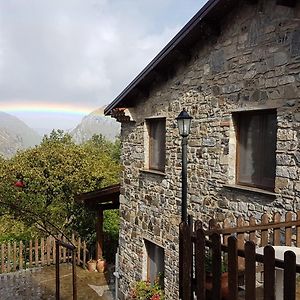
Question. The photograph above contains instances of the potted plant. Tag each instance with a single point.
(91, 265)
(209, 278)
(101, 265)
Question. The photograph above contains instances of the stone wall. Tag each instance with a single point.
(253, 64)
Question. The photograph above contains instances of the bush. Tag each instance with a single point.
(144, 290)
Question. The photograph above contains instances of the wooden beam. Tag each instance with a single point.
(290, 3)
(99, 235)
(109, 206)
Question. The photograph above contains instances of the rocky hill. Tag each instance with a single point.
(15, 135)
(96, 123)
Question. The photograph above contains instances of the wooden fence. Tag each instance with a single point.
(235, 245)
(40, 252)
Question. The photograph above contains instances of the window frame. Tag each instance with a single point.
(157, 250)
(160, 156)
(237, 120)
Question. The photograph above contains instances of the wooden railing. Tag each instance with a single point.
(273, 229)
(238, 243)
(40, 252)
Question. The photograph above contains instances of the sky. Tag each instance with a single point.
(61, 59)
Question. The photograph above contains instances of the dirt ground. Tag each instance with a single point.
(39, 283)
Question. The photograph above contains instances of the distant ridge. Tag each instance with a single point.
(96, 123)
(15, 135)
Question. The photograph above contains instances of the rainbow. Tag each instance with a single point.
(45, 107)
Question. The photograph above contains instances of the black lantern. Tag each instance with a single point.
(184, 126)
(184, 123)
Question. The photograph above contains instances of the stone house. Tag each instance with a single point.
(235, 68)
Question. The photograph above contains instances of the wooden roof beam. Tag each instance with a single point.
(109, 206)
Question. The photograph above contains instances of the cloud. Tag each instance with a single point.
(82, 51)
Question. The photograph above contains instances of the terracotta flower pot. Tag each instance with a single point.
(91, 265)
(101, 265)
(224, 286)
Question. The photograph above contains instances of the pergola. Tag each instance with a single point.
(100, 200)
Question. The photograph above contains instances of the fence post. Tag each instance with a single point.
(185, 253)
(252, 234)
(276, 231)
(42, 251)
(289, 282)
(48, 246)
(8, 257)
(232, 268)
(78, 251)
(84, 255)
(57, 271)
(36, 252)
(269, 272)
(30, 254)
(250, 272)
(74, 274)
(288, 230)
(298, 231)
(54, 251)
(64, 250)
(216, 266)
(2, 258)
(21, 256)
(200, 261)
(14, 256)
(264, 233)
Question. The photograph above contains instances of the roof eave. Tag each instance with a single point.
(198, 17)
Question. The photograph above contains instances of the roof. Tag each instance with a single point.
(207, 17)
(105, 198)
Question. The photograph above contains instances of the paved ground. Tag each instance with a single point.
(39, 283)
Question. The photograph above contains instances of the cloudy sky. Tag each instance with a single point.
(60, 59)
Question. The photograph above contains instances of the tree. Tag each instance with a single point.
(54, 172)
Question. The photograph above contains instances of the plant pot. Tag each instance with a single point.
(101, 265)
(91, 265)
(224, 286)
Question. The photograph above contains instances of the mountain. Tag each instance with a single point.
(15, 135)
(96, 123)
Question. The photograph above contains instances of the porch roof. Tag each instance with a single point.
(105, 198)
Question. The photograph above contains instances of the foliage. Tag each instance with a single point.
(111, 234)
(144, 290)
(54, 173)
(12, 230)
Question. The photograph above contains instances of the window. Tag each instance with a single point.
(256, 148)
(157, 143)
(155, 261)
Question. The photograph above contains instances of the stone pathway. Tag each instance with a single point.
(39, 283)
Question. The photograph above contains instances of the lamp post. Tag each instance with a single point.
(184, 127)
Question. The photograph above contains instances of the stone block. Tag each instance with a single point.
(281, 183)
(286, 79)
(280, 58)
(209, 142)
(295, 43)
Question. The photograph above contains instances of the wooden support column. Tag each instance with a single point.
(99, 234)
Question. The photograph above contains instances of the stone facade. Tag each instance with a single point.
(253, 64)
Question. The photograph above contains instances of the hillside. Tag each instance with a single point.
(96, 123)
(15, 135)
